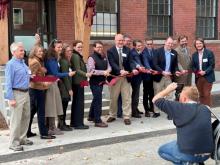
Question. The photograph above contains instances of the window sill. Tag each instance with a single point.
(105, 42)
(212, 41)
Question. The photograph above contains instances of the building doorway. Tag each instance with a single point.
(30, 17)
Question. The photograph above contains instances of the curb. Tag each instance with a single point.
(80, 145)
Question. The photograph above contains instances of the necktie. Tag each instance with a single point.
(120, 58)
(150, 53)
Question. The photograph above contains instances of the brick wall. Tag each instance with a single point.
(133, 18)
(65, 20)
(133, 21)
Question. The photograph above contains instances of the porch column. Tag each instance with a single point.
(4, 54)
(82, 28)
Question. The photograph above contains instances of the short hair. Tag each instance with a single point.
(97, 42)
(136, 41)
(201, 40)
(182, 37)
(169, 37)
(191, 92)
(148, 39)
(75, 42)
(126, 36)
(15, 45)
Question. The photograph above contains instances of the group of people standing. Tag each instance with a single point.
(125, 64)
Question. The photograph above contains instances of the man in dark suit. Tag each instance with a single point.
(136, 65)
(148, 88)
(203, 63)
(118, 57)
(165, 62)
(128, 43)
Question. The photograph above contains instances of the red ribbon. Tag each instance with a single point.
(44, 79)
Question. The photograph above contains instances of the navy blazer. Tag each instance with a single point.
(147, 61)
(113, 59)
(135, 61)
(159, 62)
(208, 64)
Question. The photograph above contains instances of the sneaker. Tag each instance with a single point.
(16, 147)
(26, 142)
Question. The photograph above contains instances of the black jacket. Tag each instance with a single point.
(159, 62)
(208, 64)
(113, 59)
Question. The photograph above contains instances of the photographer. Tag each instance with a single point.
(194, 142)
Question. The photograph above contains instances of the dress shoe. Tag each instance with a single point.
(31, 134)
(16, 147)
(127, 121)
(82, 127)
(26, 142)
(102, 125)
(155, 115)
(90, 119)
(47, 137)
(147, 114)
(136, 115)
(111, 119)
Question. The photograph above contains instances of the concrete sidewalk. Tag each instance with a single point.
(78, 139)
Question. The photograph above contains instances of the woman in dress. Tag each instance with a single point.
(53, 99)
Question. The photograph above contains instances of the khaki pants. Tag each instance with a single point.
(20, 117)
(122, 86)
(159, 86)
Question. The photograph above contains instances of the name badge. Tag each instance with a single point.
(124, 55)
(172, 54)
(29, 71)
(205, 60)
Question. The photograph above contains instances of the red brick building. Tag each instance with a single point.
(138, 18)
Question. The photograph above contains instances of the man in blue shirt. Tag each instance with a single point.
(165, 63)
(17, 84)
(194, 142)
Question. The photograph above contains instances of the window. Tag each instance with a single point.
(106, 18)
(159, 18)
(18, 16)
(206, 18)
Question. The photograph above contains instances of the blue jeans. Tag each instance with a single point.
(171, 152)
(96, 106)
(37, 99)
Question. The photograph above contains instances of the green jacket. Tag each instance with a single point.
(65, 84)
(79, 66)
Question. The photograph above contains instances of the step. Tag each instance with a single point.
(105, 111)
